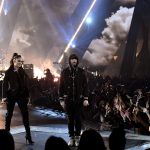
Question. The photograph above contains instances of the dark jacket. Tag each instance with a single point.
(73, 84)
(15, 84)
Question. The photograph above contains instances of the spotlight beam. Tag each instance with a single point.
(1, 6)
(78, 29)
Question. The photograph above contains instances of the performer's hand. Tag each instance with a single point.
(85, 103)
(4, 100)
(62, 103)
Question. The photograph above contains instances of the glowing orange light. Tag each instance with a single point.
(56, 79)
(38, 73)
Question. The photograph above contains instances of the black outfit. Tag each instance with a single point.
(73, 85)
(15, 89)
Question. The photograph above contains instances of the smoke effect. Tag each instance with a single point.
(41, 31)
(101, 51)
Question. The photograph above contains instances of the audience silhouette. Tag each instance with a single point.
(91, 139)
(117, 140)
(54, 142)
(6, 140)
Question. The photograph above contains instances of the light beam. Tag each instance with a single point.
(1, 6)
(78, 29)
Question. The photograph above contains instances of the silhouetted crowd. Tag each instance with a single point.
(120, 102)
(90, 138)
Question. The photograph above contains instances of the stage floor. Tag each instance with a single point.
(46, 122)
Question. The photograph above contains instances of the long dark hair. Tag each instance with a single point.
(15, 55)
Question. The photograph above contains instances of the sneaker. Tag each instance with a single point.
(77, 140)
(71, 142)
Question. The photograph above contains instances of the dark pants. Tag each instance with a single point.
(74, 120)
(22, 103)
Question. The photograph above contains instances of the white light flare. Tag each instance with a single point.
(78, 29)
(56, 79)
(89, 20)
(1, 6)
(38, 73)
(73, 46)
(56, 74)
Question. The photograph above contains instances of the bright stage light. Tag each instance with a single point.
(78, 29)
(56, 79)
(38, 73)
(89, 20)
(5, 11)
(73, 46)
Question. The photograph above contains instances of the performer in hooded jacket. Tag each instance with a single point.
(73, 94)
